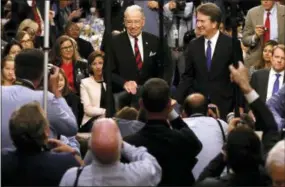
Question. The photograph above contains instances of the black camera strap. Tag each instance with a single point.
(79, 170)
(177, 28)
(25, 83)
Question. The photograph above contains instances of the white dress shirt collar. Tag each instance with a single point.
(273, 73)
(140, 44)
(213, 40)
(133, 39)
(272, 11)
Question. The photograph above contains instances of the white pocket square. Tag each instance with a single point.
(152, 53)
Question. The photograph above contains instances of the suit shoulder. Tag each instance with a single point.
(261, 72)
(149, 35)
(86, 80)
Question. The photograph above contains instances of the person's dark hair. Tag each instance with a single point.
(128, 113)
(8, 47)
(211, 10)
(191, 107)
(260, 64)
(28, 131)
(155, 95)
(29, 64)
(65, 91)
(68, 25)
(92, 57)
(243, 150)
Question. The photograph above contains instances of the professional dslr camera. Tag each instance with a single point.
(180, 5)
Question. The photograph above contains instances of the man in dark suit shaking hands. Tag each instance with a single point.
(136, 58)
(207, 61)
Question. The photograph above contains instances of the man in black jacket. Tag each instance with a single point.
(173, 144)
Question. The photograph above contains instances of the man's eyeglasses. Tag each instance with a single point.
(67, 48)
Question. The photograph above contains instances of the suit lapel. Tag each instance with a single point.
(129, 49)
(281, 23)
(264, 81)
(145, 47)
(202, 55)
(215, 57)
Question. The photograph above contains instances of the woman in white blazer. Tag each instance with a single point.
(91, 89)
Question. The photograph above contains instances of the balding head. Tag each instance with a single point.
(195, 103)
(106, 141)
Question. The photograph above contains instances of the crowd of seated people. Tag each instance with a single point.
(166, 123)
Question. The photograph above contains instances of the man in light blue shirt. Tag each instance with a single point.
(106, 169)
(210, 132)
(29, 72)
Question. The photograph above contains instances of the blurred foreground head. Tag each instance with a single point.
(275, 164)
(106, 141)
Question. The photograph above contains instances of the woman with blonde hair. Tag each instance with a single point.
(8, 71)
(64, 54)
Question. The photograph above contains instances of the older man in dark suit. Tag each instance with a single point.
(207, 61)
(137, 56)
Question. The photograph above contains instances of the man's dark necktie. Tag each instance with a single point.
(276, 84)
(138, 57)
(209, 55)
(267, 31)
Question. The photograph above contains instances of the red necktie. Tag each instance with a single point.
(267, 26)
(138, 55)
(37, 17)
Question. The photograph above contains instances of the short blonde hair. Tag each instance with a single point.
(28, 23)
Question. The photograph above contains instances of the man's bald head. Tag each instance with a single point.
(106, 141)
(195, 103)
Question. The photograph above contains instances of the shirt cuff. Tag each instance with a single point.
(172, 115)
(251, 96)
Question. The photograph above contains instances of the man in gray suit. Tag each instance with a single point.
(263, 22)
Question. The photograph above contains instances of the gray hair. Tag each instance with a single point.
(134, 8)
(276, 156)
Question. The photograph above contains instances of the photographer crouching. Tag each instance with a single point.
(178, 23)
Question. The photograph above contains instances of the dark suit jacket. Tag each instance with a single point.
(124, 66)
(175, 149)
(76, 106)
(84, 48)
(215, 84)
(35, 169)
(259, 82)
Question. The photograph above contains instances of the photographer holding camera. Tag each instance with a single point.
(178, 20)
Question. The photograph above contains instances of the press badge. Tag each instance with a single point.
(175, 34)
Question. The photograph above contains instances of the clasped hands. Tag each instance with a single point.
(131, 87)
